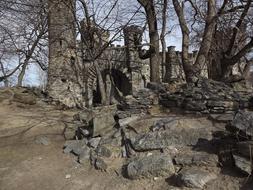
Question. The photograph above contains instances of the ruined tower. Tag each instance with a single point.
(62, 85)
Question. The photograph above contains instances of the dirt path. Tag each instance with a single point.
(25, 165)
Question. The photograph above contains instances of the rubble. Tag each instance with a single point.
(172, 146)
(171, 136)
(242, 126)
(151, 166)
(42, 140)
(197, 159)
(243, 121)
(195, 177)
(243, 164)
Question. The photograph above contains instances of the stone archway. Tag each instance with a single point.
(117, 85)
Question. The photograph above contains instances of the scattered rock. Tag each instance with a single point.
(102, 151)
(75, 146)
(100, 164)
(94, 142)
(103, 120)
(128, 120)
(227, 117)
(243, 164)
(151, 166)
(194, 177)
(245, 148)
(98, 121)
(170, 137)
(164, 123)
(197, 159)
(84, 157)
(68, 176)
(122, 114)
(42, 140)
(70, 131)
(243, 121)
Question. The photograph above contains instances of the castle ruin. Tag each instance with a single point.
(74, 74)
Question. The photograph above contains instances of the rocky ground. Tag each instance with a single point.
(147, 147)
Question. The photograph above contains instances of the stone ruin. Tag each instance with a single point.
(72, 76)
(168, 146)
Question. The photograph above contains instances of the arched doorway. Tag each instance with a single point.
(120, 85)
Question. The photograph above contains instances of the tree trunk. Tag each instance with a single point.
(154, 39)
(21, 75)
(187, 66)
(206, 43)
(163, 42)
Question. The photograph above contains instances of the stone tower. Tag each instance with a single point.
(62, 84)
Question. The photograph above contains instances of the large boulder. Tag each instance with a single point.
(245, 148)
(243, 121)
(194, 177)
(197, 159)
(183, 133)
(97, 122)
(243, 164)
(75, 146)
(151, 166)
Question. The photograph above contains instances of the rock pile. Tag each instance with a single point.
(139, 103)
(157, 152)
(175, 147)
(242, 127)
(206, 96)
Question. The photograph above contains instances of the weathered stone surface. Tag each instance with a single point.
(25, 98)
(245, 148)
(94, 142)
(42, 140)
(156, 87)
(103, 151)
(84, 157)
(174, 137)
(194, 177)
(197, 159)
(243, 121)
(100, 164)
(84, 116)
(70, 131)
(123, 114)
(227, 117)
(103, 120)
(206, 96)
(128, 120)
(75, 146)
(151, 166)
(193, 105)
(98, 121)
(243, 164)
(164, 123)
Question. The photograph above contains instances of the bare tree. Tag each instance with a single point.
(24, 25)
(154, 50)
(213, 23)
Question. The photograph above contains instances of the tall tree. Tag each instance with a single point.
(150, 11)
